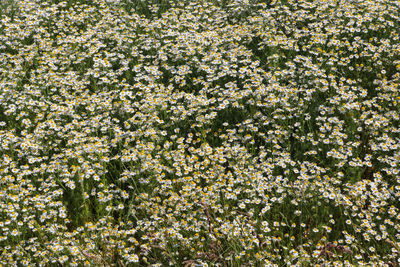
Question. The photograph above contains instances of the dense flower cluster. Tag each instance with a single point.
(187, 133)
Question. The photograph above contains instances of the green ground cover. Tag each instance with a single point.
(199, 133)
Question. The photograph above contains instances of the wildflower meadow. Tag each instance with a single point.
(200, 133)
